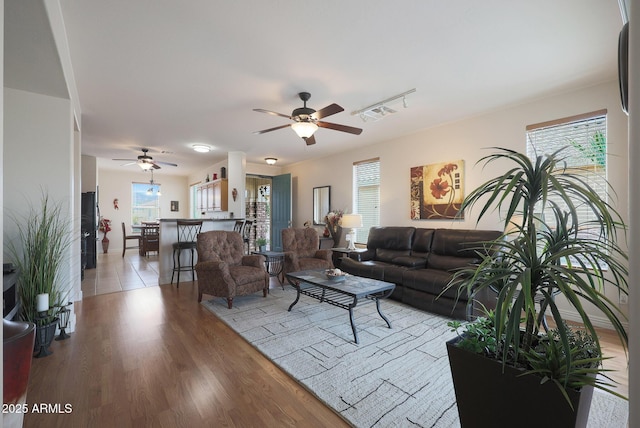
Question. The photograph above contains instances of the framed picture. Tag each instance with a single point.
(437, 191)
(174, 206)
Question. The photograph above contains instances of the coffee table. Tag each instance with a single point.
(344, 294)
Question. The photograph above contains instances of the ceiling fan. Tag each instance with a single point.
(145, 161)
(307, 120)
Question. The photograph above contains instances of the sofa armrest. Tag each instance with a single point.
(214, 276)
(364, 256)
(324, 255)
(290, 262)
(254, 260)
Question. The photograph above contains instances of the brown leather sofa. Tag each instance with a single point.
(421, 263)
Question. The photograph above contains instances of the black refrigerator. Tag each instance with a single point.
(89, 230)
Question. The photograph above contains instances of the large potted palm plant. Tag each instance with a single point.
(38, 253)
(548, 251)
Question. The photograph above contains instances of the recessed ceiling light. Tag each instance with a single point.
(271, 161)
(201, 148)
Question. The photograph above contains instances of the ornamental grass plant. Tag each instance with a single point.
(38, 252)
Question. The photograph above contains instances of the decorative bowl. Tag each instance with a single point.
(334, 275)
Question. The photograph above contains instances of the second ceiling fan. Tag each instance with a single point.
(307, 120)
(145, 161)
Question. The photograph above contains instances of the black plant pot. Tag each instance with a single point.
(488, 397)
(44, 337)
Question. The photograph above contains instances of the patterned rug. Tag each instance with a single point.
(397, 377)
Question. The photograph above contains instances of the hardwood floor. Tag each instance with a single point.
(153, 356)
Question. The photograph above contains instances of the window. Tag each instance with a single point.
(145, 202)
(366, 179)
(585, 139)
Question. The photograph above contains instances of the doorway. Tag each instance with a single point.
(258, 208)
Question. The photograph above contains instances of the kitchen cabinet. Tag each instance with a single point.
(220, 195)
(213, 196)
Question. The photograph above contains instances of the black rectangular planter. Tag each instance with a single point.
(487, 397)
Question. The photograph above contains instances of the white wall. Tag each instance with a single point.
(116, 184)
(466, 139)
(41, 150)
(38, 157)
(89, 174)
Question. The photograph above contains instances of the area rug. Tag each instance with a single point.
(396, 377)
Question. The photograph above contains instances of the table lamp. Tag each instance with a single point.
(351, 221)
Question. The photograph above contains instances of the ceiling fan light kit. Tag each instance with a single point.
(304, 129)
(306, 121)
(145, 166)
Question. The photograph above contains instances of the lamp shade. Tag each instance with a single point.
(304, 129)
(351, 221)
(146, 166)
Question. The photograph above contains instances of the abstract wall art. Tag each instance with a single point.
(437, 191)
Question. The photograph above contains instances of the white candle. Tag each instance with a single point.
(42, 302)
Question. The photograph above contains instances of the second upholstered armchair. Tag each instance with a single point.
(224, 271)
(301, 250)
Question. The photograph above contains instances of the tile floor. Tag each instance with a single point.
(115, 273)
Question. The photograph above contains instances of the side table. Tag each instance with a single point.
(339, 253)
(274, 262)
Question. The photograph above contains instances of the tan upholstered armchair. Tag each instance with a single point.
(223, 270)
(301, 250)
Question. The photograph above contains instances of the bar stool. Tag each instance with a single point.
(188, 231)
(237, 227)
(246, 234)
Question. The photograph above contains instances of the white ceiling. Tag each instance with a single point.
(168, 74)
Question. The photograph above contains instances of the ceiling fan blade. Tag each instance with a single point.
(343, 128)
(310, 140)
(131, 162)
(155, 165)
(273, 129)
(273, 113)
(126, 160)
(166, 163)
(327, 111)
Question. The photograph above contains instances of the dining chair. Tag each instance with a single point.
(132, 237)
(150, 239)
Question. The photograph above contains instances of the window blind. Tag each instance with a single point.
(584, 142)
(367, 196)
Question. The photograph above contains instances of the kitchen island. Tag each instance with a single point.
(169, 235)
